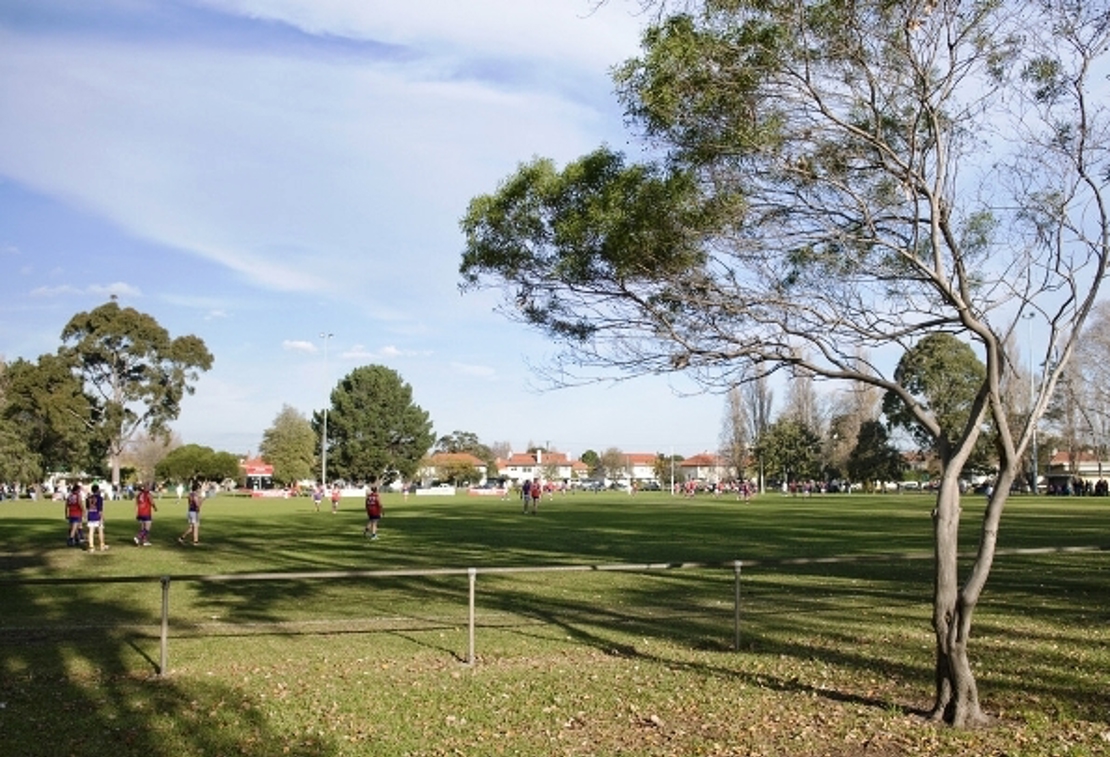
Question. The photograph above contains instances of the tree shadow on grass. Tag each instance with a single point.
(810, 613)
(80, 689)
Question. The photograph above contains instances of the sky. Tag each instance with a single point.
(260, 173)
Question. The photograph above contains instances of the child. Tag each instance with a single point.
(94, 505)
(373, 512)
(144, 508)
(193, 516)
(75, 513)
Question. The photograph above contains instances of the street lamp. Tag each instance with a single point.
(1029, 317)
(324, 437)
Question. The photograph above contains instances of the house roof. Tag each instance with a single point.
(256, 467)
(703, 460)
(527, 459)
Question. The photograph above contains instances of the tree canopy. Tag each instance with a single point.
(375, 430)
(832, 180)
(54, 417)
(874, 457)
(136, 374)
(289, 445)
(468, 441)
(791, 450)
(195, 462)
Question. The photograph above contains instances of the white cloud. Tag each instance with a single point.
(327, 175)
(479, 371)
(392, 351)
(299, 345)
(117, 288)
(55, 291)
(575, 32)
(358, 352)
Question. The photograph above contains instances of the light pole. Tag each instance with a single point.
(324, 436)
(1032, 418)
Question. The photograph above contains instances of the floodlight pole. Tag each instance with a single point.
(324, 436)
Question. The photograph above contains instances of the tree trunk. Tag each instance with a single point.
(957, 695)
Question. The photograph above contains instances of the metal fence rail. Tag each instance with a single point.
(472, 577)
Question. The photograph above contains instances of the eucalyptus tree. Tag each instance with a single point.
(832, 180)
(135, 373)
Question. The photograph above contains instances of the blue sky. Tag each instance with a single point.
(259, 172)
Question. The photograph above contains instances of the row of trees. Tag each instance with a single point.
(118, 375)
(861, 435)
(375, 431)
(117, 381)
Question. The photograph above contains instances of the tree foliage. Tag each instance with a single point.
(468, 441)
(195, 462)
(834, 179)
(874, 456)
(289, 444)
(592, 460)
(375, 430)
(54, 418)
(944, 376)
(18, 463)
(136, 374)
(791, 451)
(457, 472)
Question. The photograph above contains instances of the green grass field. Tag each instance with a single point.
(835, 657)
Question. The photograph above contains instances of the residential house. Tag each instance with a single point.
(546, 466)
(1065, 470)
(707, 468)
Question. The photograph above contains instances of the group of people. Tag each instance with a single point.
(531, 492)
(87, 511)
(372, 503)
(318, 497)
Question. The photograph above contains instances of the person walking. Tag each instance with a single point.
(536, 492)
(318, 496)
(144, 514)
(373, 512)
(94, 508)
(75, 513)
(193, 516)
